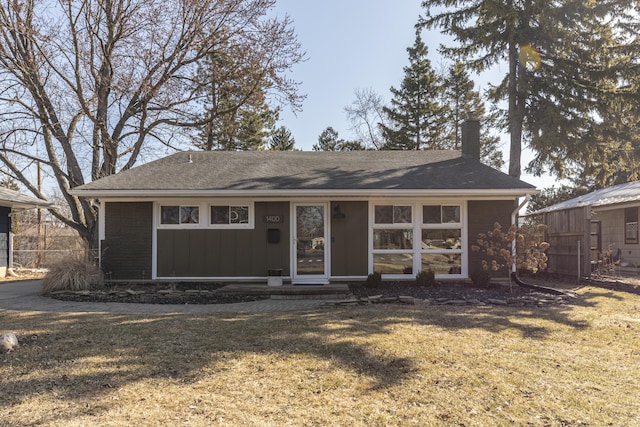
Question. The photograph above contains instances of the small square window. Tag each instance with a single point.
(239, 214)
(402, 215)
(170, 215)
(219, 215)
(383, 214)
(450, 214)
(189, 214)
(431, 214)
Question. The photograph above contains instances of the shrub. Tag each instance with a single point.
(71, 275)
(373, 280)
(480, 278)
(496, 245)
(426, 278)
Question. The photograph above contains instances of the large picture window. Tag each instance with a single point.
(407, 238)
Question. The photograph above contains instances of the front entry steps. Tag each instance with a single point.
(330, 291)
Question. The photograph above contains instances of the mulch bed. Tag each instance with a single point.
(205, 293)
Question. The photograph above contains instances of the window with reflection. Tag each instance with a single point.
(177, 215)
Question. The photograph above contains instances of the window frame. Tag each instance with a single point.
(204, 208)
(631, 226)
(417, 225)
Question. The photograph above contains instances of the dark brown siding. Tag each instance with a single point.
(227, 252)
(5, 227)
(349, 240)
(482, 216)
(126, 249)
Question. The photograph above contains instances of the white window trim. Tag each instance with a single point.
(417, 227)
(234, 226)
(205, 213)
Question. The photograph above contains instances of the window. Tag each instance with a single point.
(203, 215)
(441, 245)
(393, 239)
(229, 215)
(631, 225)
(407, 238)
(177, 215)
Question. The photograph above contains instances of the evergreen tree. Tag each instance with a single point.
(462, 102)
(282, 140)
(563, 58)
(415, 116)
(237, 116)
(330, 141)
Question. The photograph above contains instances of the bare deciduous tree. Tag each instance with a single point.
(87, 87)
(366, 115)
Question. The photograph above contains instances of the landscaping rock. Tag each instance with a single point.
(8, 342)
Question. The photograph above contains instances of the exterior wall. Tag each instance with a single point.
(5, 228)
(127, 247)
(613, 237)
(482, 216)
(227, 252)
(568, 233)
(349, 239)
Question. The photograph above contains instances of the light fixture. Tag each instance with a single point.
(337, 213)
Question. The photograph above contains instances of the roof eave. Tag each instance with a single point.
(147, 194)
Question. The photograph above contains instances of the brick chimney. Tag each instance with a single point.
(471, 138)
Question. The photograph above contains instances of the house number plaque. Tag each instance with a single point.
(273, 219)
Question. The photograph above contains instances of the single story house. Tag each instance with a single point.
(315, 216)
(594, 229)
(10, 202)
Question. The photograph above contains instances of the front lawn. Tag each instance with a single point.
(382, 365)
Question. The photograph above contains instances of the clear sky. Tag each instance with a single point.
(353, 44)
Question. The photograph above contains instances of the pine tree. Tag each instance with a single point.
(282, 140)
(462, 102)
(415, 116)
(563, 59)
(329, 140)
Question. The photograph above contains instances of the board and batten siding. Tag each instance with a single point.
(482, 217)
(209, 252)
(5, 228)
(349, 239)
(127, 247)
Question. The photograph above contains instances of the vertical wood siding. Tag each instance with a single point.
(349, 239)
(127, 247)
(209, 252)
(5, 226)
(482, 217)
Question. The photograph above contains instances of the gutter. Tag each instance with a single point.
(514, 214)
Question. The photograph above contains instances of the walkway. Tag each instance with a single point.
(24, 295)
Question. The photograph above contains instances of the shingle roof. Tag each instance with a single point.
(247, 171)
(15, 199)
(621, 193)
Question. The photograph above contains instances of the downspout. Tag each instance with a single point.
(514, 215)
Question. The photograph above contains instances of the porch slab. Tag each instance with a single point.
(288, 291)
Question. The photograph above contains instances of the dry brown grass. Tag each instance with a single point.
(71, 275)
(391, 365)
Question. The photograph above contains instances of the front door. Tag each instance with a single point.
(310, 247)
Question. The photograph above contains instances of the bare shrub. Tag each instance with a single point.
(72, 275)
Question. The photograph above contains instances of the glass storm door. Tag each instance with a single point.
(310, 250)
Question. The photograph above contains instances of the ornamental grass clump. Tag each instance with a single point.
(497, 245)
(72, 275)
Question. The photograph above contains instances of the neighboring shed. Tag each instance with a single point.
(12, 201)
(595, 232)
